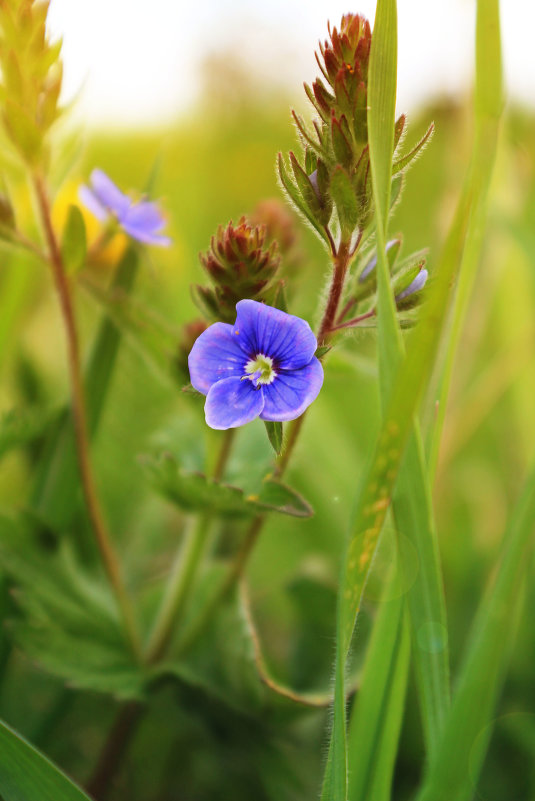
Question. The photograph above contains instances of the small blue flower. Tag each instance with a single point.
(142, 221)
(415, 285)
(262, 366)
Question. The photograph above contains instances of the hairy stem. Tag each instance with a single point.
(79, 411)
(340, 263)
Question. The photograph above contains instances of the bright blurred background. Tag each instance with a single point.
(206, 89)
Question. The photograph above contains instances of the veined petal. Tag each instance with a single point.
(108, 194)
(214, 356)
(292, 391)
(91, 202)
(286, 339)
(232, 402)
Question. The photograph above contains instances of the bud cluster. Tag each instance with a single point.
(408, 278)
(31, 76)
(334, 173)
(240, 264)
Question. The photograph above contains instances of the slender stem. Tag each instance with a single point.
(340, 263)
(96, 517)
(347, 308)
(225, 585)
(183, 573)
(354, 322)
(185, 569)
(114, 749)
(224, 453)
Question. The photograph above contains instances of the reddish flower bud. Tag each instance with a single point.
(241, 264)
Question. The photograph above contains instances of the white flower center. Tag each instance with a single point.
(260, 370)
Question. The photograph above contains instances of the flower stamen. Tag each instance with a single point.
(260, 370)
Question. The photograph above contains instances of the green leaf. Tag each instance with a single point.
(343, 194)
(195, 492)
(453, 771)
(22, 130)
(322, 351)
(21, 426)
(274, 432)
(409, 157)
(67, 620)
(296, 198)
(27, 775)
(377, 711)
(74, 241)
(311, 200)
(488, 105)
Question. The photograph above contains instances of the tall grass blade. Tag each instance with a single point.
(413, 513)
(453, 771)
(488, 109)
(377, 712)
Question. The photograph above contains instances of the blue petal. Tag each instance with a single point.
(91, 202)
(147, 237)
(232, 402)
(143, 221)
(145, 215)
(287, 339)
(291, 392)
(108, 194)
(214, 356)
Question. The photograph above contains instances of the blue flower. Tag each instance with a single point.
(416, 285)
(142, 221)
(262, 366)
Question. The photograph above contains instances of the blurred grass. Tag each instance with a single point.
(215, 168)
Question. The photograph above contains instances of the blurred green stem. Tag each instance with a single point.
(100, 530)
(180, 582)
(185, 569)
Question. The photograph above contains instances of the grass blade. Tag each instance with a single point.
(455, 766)
(413, 513)
(488, 108)
(377, 712)
(27, 775)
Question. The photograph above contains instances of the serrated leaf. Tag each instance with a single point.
(27, 775)
(274, 432)
(74, 241)
(344, 198)
(195, 492)
(67, 619)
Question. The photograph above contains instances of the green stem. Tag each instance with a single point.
(183, 573)
(185, 569)
(79, 410)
